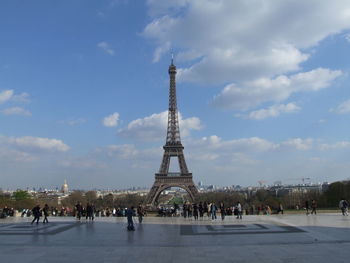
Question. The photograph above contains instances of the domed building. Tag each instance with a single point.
(64, 188)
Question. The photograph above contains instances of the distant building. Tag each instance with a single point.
(64, 188)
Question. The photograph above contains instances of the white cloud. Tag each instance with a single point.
(111, 120)
(298, 144)
(342, 108)
(9, 95)
(335, 146)
(240, 41)
(347, 37)
(82, 163)
(125, 151)
(22, 98)
(16, 111)
(130, 152)
(215, 148)
(160, 51)
(273, 111)
(106, 48)
(215, 145)
(6, 95)
(35, 143)
(254, 93)
(153, 127)
(10, 155)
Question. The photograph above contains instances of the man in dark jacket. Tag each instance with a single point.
(36, 213)
(79, 210)
(46, 213)
(90, 211)
(129, 214)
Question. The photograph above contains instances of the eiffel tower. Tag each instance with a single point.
(172, 148)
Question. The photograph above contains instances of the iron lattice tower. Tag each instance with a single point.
(172, 148)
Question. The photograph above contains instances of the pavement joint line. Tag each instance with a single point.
(319, 237)
(48, 229)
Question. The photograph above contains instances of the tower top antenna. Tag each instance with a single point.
(172, 58)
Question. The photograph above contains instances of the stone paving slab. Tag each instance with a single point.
(287, 238)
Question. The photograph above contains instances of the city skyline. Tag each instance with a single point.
(262, 91)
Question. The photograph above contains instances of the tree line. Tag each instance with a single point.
(329, 199)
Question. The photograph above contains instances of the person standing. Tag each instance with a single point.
(36, 213)
(189, 210)
(313, 207)
(129, 214)
(206, 208)
(46, 213)
(213, 209)
(239, 210)
(140, 213)
(89, 211)
(195, 211)
(184, 210)
(280, 209)
(79, 210)
(222, 211)
(200, 209)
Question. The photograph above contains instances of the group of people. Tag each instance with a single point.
(130, 213)
(6, 211)
(38, 212)
(198, 211)
(195, 210)
(88, 211)
(211, 210)
(313, 207)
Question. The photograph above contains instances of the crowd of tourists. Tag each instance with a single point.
(211, 210)
(197, 211)
(6, 212)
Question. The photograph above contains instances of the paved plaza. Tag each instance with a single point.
(277, 238)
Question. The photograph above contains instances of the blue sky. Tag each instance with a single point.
(262, 90)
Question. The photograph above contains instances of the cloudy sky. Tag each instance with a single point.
(263, 90)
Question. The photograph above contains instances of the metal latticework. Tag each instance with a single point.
(172, 148)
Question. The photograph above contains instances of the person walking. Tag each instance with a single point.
(36, 213)
(46, 213)
(344, 205)
(129, 214)
(313, 207)
(307, 207)
(222, 211)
